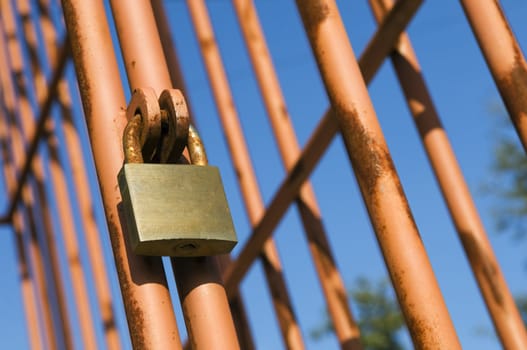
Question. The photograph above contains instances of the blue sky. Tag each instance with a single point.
(462, 89)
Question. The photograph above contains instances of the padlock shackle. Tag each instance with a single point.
(132, 144)
(195, 147)
(131, 140)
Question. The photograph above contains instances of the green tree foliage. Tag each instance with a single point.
(510, 186)
(379, 317)
(509, 181)
(522, 305)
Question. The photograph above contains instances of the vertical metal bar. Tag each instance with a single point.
(26, 213)
(35, 332)
(238, 310)
(504, 58)
(28, 285)
(38, 195)
(254, 205)
(171, 57)
(204, 301)
(143, 284)
(497, 296)
(59, 184)
(411, 273)
(239, 315)
(329, 276)
(28, 281)
(73, 147)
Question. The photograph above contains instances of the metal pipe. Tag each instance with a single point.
(203, 298)
(237, 306)
(504, 58)
(41, 335)
(314, 149)
(146, 298)
(28, 284)
(59, 188)
(37, 194)
(13, 152)
(36, 334)
(329, 276)
(486, 269)
(405, 256)
(254, 205)
(82, 188)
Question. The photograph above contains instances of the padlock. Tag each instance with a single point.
(173, 209)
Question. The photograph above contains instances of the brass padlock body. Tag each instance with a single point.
(176, 210)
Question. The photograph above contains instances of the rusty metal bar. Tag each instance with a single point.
(28, 286)
(405, 256)
(504, 58)
(37, 197)
(171, 57)
(146, 298)
(59, 184)
(237, 306)
(254, 205)
(497, 296)
(82, 188)
(308, 159)
(13, 146)
(41, 335)
(329, 276)
(37, 336)
(203, 298)
(39, 130)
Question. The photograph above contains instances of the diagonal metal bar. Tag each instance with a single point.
(374, 54)
(40, 128)
(504, 58)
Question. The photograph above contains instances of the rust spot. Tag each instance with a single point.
(207, 43)
(369, 160)
(74, 260)
(75, 34)
(313, 12)
(283, 112)
(422, 332)
(239, 174)
(25, 275)
(513, 88)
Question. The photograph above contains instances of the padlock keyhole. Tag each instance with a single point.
(187, 246)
